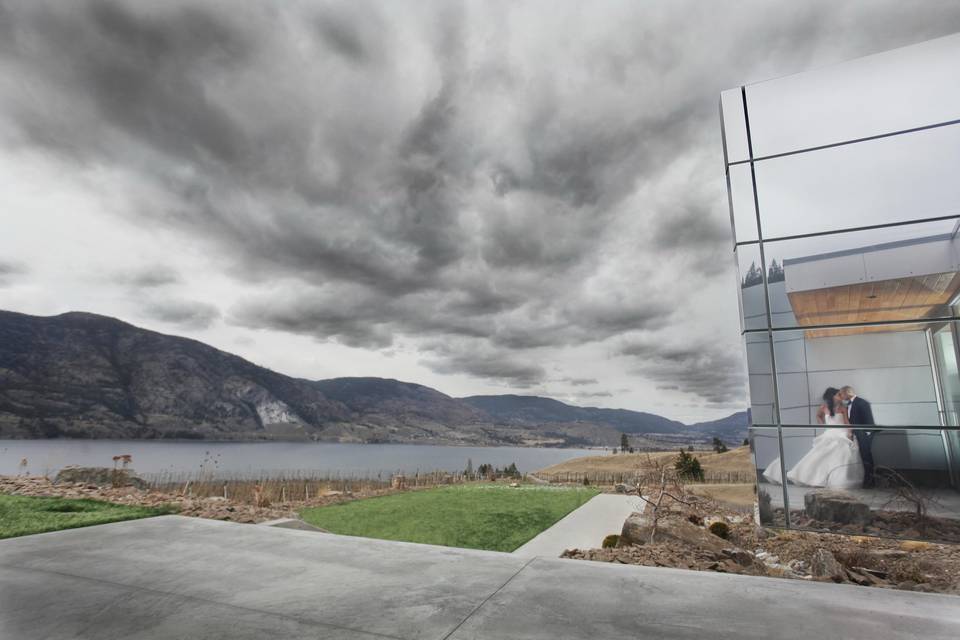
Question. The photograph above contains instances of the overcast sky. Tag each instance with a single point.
(486, 197)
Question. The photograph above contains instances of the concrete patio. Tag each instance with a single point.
(178, 577)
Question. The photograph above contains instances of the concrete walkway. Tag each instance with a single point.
(177, 577)
(585, 527)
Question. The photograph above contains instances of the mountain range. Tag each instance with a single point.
(82, 375)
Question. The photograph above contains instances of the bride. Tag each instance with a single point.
(834, 459)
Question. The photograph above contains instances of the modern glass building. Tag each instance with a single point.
(844, 192)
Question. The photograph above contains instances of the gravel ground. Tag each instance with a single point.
(752, 550)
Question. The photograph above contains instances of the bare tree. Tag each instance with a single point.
(658, 481)
(906, 493)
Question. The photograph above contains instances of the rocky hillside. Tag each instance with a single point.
(82, 375)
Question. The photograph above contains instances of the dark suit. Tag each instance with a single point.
(860, 413)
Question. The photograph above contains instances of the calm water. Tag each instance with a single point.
(228, 459)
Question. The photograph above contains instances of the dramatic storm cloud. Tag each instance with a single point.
(476, 196)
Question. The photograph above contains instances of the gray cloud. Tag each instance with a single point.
(476, 360)
(10, 272)
(495, 178)
(591, 394)
(187, 314)
(580, 382)
(714, 372)
(148, 277)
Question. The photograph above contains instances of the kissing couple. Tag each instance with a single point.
(841, 457)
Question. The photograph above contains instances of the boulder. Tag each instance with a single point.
(623, 488)
(100, 477)
(824, 565)
(829, 505)
(670, 528)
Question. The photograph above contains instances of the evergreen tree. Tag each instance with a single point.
(775, 272)
(688, 467)
(754, 276)
(624, 442)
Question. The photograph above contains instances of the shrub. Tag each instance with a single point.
(610, 541)
(720, 529)
(688, 467)
(586, 481)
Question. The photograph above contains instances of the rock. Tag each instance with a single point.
(741, 557)
(709, 520)
(100, 477)
(824, 565)
(799, 566)
(829, 505)
(864, 578)
(907, 585)
(670, 528)
(515, 485)
(622, 488)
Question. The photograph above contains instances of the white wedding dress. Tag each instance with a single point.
(833, 461)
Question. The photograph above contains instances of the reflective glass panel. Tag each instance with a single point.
(898, 179)
(891, 91)
(894, 482)
(760, 372)
(744, 210)
(765, 448)
(907, 272)
(888, 366)
(753, 310)
(734, 126)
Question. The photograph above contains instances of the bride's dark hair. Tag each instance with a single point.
(828, 399)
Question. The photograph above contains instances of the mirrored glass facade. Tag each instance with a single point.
(845, 204)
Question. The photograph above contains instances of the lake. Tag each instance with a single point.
(237, 459)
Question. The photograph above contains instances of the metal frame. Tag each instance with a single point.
(770, 331)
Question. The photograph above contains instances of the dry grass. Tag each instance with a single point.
(733, 461)
(741, 495)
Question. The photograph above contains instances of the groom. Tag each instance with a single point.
(859, 413)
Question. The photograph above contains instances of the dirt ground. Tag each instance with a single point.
(215, 508)
(732, 461)
(752, 550)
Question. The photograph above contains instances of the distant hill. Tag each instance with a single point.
(82, 375)
(733, 427)
(532, 410)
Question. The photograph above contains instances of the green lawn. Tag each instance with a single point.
(22, 515)
(486, 516)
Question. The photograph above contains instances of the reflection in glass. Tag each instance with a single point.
(907, 272)
(753, 309)
(898, 179)
(892, 91)
(744, 210)
(760, 369)
(734, 126)
(849, 290)
(829, 488)
(765, 448)
(891, 366)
